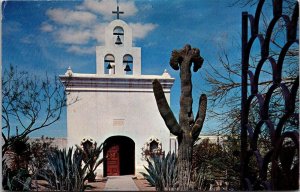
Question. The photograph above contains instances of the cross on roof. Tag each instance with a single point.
(118, 12)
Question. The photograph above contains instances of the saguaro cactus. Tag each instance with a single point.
(188, 128)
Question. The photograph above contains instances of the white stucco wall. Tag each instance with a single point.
(106, 108)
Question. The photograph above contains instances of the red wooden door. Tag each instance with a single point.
(113, 160)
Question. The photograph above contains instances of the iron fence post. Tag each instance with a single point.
(244, 98)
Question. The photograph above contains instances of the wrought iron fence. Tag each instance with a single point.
(274, 166)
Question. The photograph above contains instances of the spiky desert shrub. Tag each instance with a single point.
(91, 157)
(65, 171)
(162, 172)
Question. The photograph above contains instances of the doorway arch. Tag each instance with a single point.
(119, 153)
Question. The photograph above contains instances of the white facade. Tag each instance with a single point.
(114, 103)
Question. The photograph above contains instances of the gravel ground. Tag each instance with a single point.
(143, 185)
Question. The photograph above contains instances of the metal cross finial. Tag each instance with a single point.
(118, 12)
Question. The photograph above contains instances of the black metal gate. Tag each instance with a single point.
(277, 166)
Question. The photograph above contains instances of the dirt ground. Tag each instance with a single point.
(99, 185)
(143, 185)
(96, 186)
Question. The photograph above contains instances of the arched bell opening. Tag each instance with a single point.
(118, 36)
(127, 64)
(109, 64)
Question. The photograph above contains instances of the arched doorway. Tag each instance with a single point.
(120, 157)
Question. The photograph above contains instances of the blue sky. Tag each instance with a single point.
(49, 36)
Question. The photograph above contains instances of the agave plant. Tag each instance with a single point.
(162, 172)
(91, 153)
(65, 171)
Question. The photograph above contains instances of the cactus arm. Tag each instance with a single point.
(175, 60)
(196, 129)
(196, 59)
(165, 110)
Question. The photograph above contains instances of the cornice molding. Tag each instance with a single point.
(114, 84)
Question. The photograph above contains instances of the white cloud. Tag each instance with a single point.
(80, 27)
(81, 50)
(105, 7)
(141, 30)
(81, 36)
(46, 27)
(28, 39)
(73, 36)
(99, 32)
(11, 27)
(69, 17)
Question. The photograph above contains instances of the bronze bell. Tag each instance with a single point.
(127, 68)
(118, 41)
(108, 66)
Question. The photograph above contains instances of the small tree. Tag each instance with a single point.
(29, 103)
(188, 128)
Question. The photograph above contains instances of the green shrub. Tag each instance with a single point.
(40, 149)
(15, 174)
(16, 180)
(214, 162)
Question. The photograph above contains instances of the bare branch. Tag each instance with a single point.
(29, 102)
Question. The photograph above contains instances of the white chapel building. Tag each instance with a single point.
(117, 105)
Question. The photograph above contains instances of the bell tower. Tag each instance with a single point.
(116, 104)
(117, 57)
